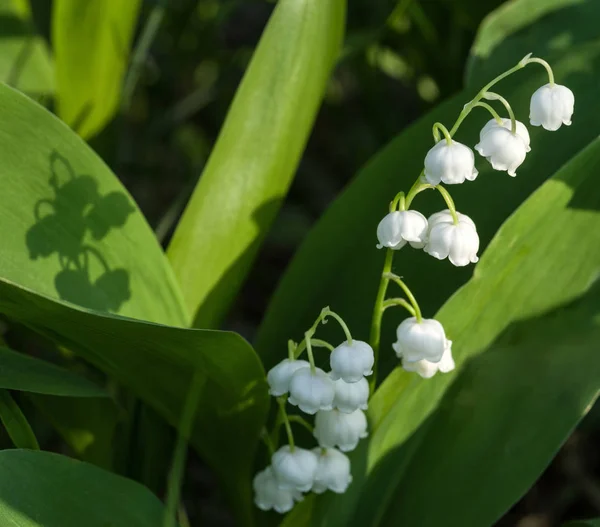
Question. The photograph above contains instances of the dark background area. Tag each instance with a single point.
(400, 59)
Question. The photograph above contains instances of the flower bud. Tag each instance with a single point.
(351, 362)
(337, 429)
(503, 149)
(310, 391)
(333, 472)
(279, 376)
(428, 369)
(551, 106)
(457, 242)
(450, 164)
(268, 495)
(400, 227)
(350, 396)
(421, 340)
(294, 469)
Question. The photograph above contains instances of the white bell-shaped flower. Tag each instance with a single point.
(457, 242)
(279, 376)
(350, 396)
(333, 472)
(421, 340)
(310, 391)
(401, 227)
(351, 362)
(428, 369)
(503, 149)
(294, 469)
(451, 164)
(551, 106)
(269, 495)
(337, 429)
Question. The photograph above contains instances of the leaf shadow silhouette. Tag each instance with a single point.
(63, 226)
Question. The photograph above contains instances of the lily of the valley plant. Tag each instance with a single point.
(338, 398)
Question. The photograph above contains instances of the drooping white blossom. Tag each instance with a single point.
(450, 164)
(310, 391)
(269, 495)
(503, 149)
(551, 106)
(421, 340)
(337, 429)
(350, 396)
(351, 362)
(279, 376)
(333, 472)
(457, 242)
(295, 468)
(428, 369)
(398, 228)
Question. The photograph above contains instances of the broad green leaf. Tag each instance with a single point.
(86, 424)
(91, 42)
(338, 264)
(583, 523)
(474, 440)
(16, 423)
(70, 229)
(24, 58)
(72, 233)
(41, 489)
(512, 28)
(28, 374)
(256, 154)
(158, 364)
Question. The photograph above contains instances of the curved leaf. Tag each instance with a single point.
(16, 423)
(24, 57)
(70, 229)
(91, 43)
(256, 155)
(158, 364)
(40, 489)
(27, 374)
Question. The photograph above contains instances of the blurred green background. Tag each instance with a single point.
(400, 59)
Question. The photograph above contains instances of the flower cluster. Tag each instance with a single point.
(337, 398)
(504, 142)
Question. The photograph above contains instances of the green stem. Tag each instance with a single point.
(300, 420)
(309, 352)
(286, 422)
(416, 189)
(292, 347)
(317, 343)
(449, 201)
(491, 96)
(375, 335)
(328, 313)
(546, 65)
(139, 54)
(399, 199)
(266, 439)
(489, 109)
(180, 454)
(408, 293)
(444, 130)
(391, 302)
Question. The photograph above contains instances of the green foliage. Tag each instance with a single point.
(27, 374)
(40, 489)
(24, 57)
(505, 412)
(91, 43)
(584, 523)
(16, 423)
(71, 230)
(256, 155)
